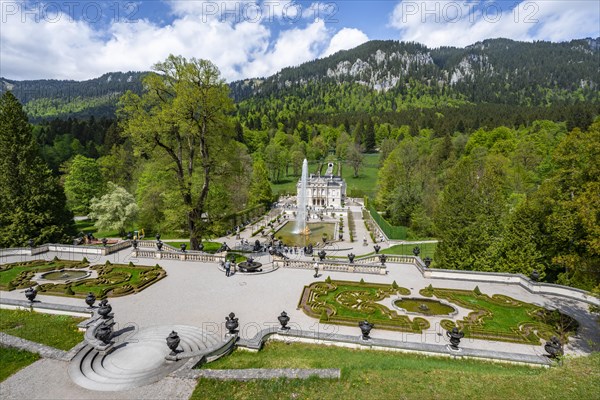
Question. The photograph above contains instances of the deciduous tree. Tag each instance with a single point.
(184, 113)
(116, 210)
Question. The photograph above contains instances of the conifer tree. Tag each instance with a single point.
(33, 202)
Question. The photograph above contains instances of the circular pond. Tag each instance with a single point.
(424, 306)
(64, 275)
(316, 232)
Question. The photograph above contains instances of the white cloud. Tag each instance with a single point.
(293, 47)
(456, 23)
(346, 38)
(61, 48)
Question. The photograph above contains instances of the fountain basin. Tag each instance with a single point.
(424, 306)
(64, 275)
(250, 266)
(317, 229)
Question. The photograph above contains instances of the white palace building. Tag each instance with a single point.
(327, 191)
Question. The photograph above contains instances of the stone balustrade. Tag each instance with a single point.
(330, 265)
(179, 255)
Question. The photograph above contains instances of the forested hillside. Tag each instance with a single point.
(493, 149)
(382, 78)
(49, 98)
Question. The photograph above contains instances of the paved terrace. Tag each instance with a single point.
(198, 294)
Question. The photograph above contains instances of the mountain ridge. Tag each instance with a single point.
(388, 74)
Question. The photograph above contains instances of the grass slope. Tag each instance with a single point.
(12, 360)
(59, 331)
(385, 375)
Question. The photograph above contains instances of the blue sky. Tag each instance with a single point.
(249, 38)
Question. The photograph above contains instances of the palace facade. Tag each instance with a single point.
(327, 190)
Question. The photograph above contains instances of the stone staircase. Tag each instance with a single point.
(143, 357)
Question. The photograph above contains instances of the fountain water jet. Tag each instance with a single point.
(301, 227)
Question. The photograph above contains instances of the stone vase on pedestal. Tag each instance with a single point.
(283, 320)
(104, 309)
(231, 323)
(554, 347)
(30, 293)
(455, 335)
(173, 341)
(104, 333)
(90, 299)
(365, 328)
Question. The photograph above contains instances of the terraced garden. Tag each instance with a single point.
(500, 317)
(347, 303)
(495, 317)
(113, 279)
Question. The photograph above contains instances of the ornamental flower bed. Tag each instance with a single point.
(113, 279)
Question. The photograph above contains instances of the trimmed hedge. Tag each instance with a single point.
(348, 303)
(113, 279)
(503, 318)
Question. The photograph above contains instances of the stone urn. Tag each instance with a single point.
(351, 258)
(30, 293)
(231, 323)
(159, 245)
(455, 335)
(135, 244)
(365, 327)
(30, 242)
(535, 276)
(104, 241)
(416, 251)
(90, 299)
(382, 258)
(322, 255)
(200, 247)
(377, 248)
(283, 320)
(157, 237)
(183, 247)
(104, 333)
(427, 262)
(104, 309)
(173, 342)
(554, 347)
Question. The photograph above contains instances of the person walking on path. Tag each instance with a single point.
(227, 267)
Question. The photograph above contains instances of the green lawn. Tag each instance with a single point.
(87, 226)
(9, 272)
(364, 184)
(385, 375)
(59, 331)
(12, 360)
(427, 249)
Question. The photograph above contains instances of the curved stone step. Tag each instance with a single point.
(140, 359)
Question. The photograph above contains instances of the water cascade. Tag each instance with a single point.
(301, 227)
